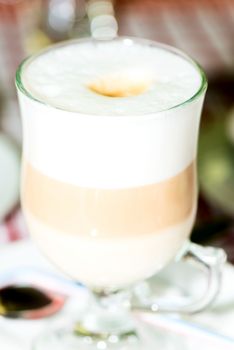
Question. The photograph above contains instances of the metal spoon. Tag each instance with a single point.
(29, 302)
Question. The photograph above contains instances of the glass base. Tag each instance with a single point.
(143, 337)
(107, 324)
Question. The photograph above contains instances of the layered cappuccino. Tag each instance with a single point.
(109, 164)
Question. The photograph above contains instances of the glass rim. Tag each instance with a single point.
(202, 88)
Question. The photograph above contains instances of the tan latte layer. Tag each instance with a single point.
(109, 212)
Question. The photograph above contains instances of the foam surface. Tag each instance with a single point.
(62, 76)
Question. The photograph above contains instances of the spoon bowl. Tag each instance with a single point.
(29, 302)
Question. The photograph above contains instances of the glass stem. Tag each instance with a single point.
(108, 317)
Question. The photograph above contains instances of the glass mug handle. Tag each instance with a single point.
(211, 260)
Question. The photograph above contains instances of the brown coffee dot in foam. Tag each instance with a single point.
(120, 85)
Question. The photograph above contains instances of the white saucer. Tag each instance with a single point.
(9, 175)
(22, 255)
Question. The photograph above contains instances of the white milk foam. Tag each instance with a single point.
(96, 141)
(118, 150)
(110, 152)
(60, 77)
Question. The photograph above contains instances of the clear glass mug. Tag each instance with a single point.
(107, 237)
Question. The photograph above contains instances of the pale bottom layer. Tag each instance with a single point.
(110, 262)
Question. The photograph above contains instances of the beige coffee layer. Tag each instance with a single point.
(106, 212)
